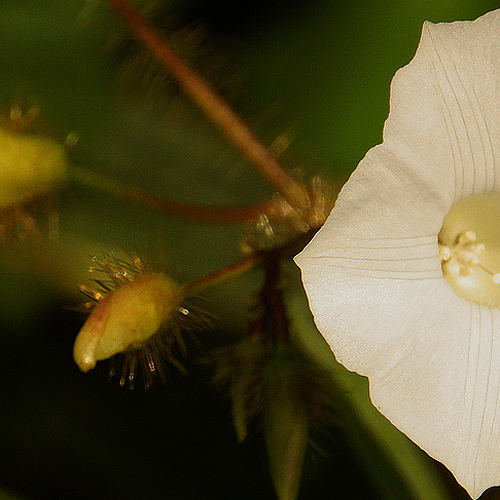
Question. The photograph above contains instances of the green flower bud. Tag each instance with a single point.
(29, 166)
(127, 319)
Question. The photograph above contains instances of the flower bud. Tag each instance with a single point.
(127, 318)
(29, 166)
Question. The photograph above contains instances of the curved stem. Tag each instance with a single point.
(215, 108)
(235, 270)
(219, 214)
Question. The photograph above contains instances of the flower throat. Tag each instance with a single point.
(469, 248)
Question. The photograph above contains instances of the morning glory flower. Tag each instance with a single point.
(402, 278)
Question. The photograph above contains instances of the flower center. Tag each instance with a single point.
(469, 248)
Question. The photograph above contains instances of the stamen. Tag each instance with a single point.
(465, 252)
(184, 311)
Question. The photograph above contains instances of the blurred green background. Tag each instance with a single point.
(317, 70)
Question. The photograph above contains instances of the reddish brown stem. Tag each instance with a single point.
(223, 275)
(274, 311)
(268, 257)
(215, 108)
(219, 214)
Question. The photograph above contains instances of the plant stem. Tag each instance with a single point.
(215, 108)
(270, 258)
(219, 214)
(274, 313)
(224, 275)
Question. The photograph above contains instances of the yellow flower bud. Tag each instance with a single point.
(29, 166)
(127, 318)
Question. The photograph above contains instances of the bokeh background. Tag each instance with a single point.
(317, 72)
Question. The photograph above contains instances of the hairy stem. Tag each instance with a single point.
(274, 313)
(215, 108)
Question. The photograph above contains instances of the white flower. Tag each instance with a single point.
(373, 273)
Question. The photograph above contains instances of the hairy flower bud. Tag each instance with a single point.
(127, 318)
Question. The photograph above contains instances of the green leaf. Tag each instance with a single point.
(286, 430)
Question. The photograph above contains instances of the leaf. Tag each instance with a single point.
(286, 429)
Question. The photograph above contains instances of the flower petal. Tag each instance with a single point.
(445, 394)
(373, 275)
(444, 120)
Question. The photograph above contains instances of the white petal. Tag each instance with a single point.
(444, 121)
(444, 393)
(433, 370)
(373, 275)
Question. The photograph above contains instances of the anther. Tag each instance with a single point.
(465, 252)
